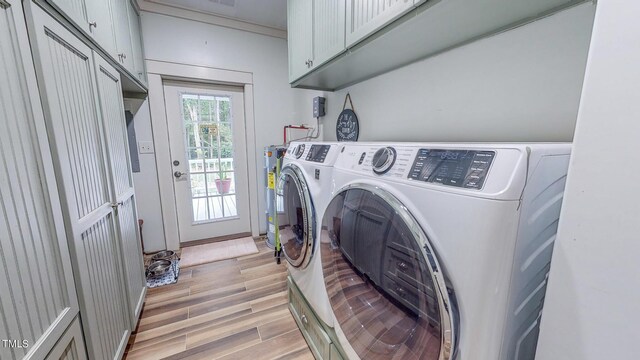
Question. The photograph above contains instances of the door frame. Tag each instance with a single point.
(158, 73)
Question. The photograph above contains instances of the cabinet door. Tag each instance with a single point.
(136, 44)
(75, 10)
(300, 37)
(364, 17)
(328, 30)
(37, 293)
(114, 125)
(101, 26)
(67, 82)
(70, 346)
(120, 13)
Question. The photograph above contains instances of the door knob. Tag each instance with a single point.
(178, 174)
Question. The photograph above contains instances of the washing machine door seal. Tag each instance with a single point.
(387, 289)
(296, 216)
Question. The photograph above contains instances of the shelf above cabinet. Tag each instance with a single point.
(429, 29)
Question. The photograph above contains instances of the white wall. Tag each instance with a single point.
(519, 85)
(177, 40)
(146, 181)
(593, 298)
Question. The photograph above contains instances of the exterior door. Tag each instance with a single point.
(209, 160)
(122, 193)
(37, 293)
(386, 287)
(68, 87)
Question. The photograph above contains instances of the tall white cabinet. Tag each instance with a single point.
(69, 92)
(38, 297)
(83, 105)
(120, 178)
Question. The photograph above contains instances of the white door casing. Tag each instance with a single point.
(66, 74)
(204, 209)
(158, 72)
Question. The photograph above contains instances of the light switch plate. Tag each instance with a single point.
(145, 147)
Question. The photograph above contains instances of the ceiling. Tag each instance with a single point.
(271, 13)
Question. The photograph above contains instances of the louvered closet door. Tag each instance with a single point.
(69, 90)
(37, 293)
(112, 109)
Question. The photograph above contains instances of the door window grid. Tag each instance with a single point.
(208, 130)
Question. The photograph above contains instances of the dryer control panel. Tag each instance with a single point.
(320, 153)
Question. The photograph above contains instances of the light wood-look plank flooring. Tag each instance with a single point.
(229, 309)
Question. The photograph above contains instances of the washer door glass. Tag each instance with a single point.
(384, 282)
(295, 216)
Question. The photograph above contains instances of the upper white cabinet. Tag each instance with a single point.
(114, 25)
(364, 17)
(75, 10)
(299, 25)
(382, 35)
(100, 25)
(136, 45)
(316, 34)
(328, 30)
(120, 11)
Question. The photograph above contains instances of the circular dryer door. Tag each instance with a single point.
(385, 285)
(296, 217)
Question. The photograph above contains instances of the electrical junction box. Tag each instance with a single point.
(318, 106)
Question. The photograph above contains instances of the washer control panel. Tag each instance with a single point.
(461, 168)
(299, 150)
(383, 160)
(467, 167)
(318, 153)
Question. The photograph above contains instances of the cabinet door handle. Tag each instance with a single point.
(116, 204)
(93, 24)
(304, 319)
(307, 63)
(310, 63)
(4, 4)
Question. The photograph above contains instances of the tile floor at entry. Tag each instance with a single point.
(230, 309)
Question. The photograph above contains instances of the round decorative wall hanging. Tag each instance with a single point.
(347, 127)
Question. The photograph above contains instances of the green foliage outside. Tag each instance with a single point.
(207, 120)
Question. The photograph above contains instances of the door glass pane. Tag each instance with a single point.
(209, 152)
(230, 205)
(378, 280)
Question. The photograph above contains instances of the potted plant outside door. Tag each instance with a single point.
(223, 185)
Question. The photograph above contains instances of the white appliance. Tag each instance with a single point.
(303, 191)
(441, 251)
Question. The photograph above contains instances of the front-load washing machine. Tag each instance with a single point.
(441, 251)
(302, 194)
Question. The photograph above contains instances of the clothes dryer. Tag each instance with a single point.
(303, 191)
